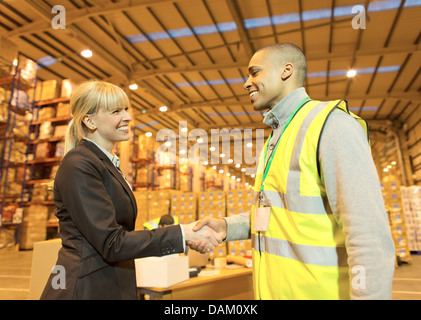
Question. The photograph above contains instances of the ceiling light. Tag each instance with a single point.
(212, 148)
(184, 129)
(133, 86)
(228, 174)
(205, 163)
(168, 143)
(148, 134)
(86, 53)
(351, 73)
(249, 145)
(200, 140)
(222, 155)
(238, 179)
(238, 165)
(243, 169)
(163, 108)
(221, 171)
(230, 161)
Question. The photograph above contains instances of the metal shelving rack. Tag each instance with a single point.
(14, 78)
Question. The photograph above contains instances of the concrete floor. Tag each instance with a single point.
(15, 276)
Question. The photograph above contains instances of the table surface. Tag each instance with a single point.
(200, 280)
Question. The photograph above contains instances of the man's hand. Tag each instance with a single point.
(205, 239)
(218, 225)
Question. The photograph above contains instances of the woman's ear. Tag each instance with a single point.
(89, 123)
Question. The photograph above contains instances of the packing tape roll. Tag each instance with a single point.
(220, 263)
(240, 260)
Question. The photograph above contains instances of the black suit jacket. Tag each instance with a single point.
(97, 212)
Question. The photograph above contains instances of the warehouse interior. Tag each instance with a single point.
(183, 64)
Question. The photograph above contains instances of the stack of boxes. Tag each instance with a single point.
(189, 207)
(145, 147)
(45, 90)
(144, 169)
(33, 227)
(158, 203)
(238, 202)
(411, 199)
(142, 208)
(184, 206)
(212, 204)
(185, 178)
(393, 203)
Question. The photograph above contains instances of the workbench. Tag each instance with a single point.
(230, 284)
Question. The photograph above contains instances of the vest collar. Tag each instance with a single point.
(278, 115)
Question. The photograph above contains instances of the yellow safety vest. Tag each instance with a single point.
(302, 254)
(154, 224)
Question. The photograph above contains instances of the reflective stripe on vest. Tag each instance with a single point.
(321, 256)
(302, 255)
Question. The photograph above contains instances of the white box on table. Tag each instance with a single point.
(161, 271)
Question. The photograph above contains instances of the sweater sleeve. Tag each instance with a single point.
(238, 227)
(354, 194)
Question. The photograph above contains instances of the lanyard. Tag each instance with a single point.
(268, 164)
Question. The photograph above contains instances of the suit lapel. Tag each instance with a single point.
(113, 170)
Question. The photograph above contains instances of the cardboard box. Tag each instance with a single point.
(161, 271)
(67, 88)
(43, 260)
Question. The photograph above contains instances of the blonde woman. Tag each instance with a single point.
(96, 207)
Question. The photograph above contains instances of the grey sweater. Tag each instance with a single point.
(353, 191)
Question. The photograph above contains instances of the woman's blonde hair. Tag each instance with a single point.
(86, 100)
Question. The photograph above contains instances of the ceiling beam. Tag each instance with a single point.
(414, 96)
(73, 16)
(140, 73)
(118, 67)
(232, 6)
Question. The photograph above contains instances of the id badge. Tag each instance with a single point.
(262, 214)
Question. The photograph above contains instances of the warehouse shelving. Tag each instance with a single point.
(16, 110)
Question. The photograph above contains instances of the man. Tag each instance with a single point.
(319, 227)
(162, 222)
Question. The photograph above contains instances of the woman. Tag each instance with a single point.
(96, 207)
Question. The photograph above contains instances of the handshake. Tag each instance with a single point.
(204, 235)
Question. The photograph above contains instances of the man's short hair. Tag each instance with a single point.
(289, 52)
(166, 220)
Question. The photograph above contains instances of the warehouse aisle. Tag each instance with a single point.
(15, 274)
